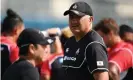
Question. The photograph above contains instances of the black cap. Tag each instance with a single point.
(80, 8)
(33, 36)
(125, 28)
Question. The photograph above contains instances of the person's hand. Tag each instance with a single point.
(54, 31)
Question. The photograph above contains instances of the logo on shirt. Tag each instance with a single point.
(100, 63)
(69, 58)
(77, 52)
(67, 49)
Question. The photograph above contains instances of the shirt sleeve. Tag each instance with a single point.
(14, 55)
(122, 59)
(31, 74)
(96, 56)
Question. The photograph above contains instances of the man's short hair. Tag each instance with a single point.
(106, 25)
(125, 28)
(10, 21)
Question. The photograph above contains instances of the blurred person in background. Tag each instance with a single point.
(66, 34)
(12, 26)
(126, 34)
(52, 68)
(34, 48)
(120, 54)
(85, 56)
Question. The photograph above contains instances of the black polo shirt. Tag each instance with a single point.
(84, 57)
(21, 70)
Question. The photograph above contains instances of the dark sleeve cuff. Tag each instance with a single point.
(99, 69)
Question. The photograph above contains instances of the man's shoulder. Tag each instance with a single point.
(122, 47)
(96, 45)
(26, 68)
(127, 46)
(130, 45)
(93, 36)
(7, 41)
(23, 64)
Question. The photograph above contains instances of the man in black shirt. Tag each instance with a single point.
(34, 48)
(85, 53)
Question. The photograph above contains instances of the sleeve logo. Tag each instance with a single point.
(100, 63)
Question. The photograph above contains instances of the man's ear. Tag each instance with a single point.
(86, 20)
(15, 30)
(31, 48)
(114, 71)
(91, 19)
(111, 33)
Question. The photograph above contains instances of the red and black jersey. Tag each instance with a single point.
(9, 53)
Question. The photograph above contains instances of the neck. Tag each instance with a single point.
(116, 40)
(31, 61)
(79, 36)
(10, 37)
(82, 34)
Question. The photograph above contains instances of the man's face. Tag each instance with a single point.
(74, 23)
(42, 52)
(106, 37)
(20, 28)
(128, 36)
(80, 24)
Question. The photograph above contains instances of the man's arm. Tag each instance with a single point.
(45, 77)
(121, 61)
(57, 43)
(97, 61)
(101, 75)
(114, 72)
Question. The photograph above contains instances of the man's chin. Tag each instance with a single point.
(76, 32)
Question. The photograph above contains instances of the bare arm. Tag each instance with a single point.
(45, 77)
(58, 45)
(114, 72)
(101, 75)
